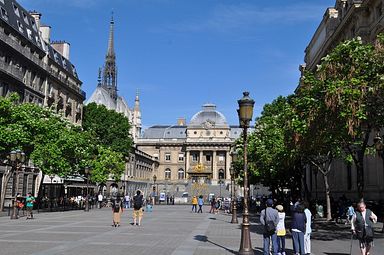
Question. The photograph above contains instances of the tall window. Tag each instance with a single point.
(167, 174)
(221, 174)
(180, 174)
(181, 156)
(195, 157)
(208, 158)
(167, 156)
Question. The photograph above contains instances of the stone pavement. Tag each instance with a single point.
(168, 230)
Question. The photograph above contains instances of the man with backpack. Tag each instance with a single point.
(137, 208)
(269, 218)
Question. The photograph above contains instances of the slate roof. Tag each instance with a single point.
(21, 21)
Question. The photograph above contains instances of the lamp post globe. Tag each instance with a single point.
(245, 113)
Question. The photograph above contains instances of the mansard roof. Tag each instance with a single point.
(165, 132)
(21, 21)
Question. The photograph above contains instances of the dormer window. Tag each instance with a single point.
(29, 32)
(64, 63)
(37, 40)
(16, 9)
(4, 13)
(25, 17)
(33, 24)
(20, 26)
(56, 56)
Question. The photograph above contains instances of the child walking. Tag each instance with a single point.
(280, 228)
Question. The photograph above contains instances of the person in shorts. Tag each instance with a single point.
(30, 200)
(137, 208)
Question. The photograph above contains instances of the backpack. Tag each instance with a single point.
(137, 202)
(116, 208)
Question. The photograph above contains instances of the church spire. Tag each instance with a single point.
(137, 101)
(111, 42)
(110, 69)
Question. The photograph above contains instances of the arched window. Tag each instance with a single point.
(167, 174)
(221, 174)
(180, 174)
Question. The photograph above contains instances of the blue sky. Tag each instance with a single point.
(181, 54)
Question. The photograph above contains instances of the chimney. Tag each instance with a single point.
(37, 16)
(181, 122)
(45, 33)
(62, 47)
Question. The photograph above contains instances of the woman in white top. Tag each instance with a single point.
(280, 230)
(362, 226)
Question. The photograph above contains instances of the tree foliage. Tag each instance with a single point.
(109, 127)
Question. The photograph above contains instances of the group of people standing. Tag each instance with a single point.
(118, 208)
(273, 222)
(274, 229)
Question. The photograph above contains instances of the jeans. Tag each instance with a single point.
(194, 207)
(281, 244)
(200, 209)
(298, 242)
(267, 239)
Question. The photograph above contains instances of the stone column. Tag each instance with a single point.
(201, 157)
(214, 167)
(187, 166)
(227, 166)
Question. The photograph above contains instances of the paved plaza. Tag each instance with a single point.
(168, 230)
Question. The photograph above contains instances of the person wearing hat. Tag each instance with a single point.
(280, 230)
(269, 218)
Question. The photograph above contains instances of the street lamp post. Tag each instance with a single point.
(245, 113)
(234, 198)
(379, 146)
(51, 176)
(17, 158)
(154, 187)
(87, 172)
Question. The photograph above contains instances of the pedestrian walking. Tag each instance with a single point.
(213, 203)
(308, 228)
(127, 201)
(194, 203)
(280, 230)
(30, 200)
(137, 208)
(100, 200)
(269, 218)
(362, 226)
(200, 202)
(298, 229)
(350, 213)
(117, 209)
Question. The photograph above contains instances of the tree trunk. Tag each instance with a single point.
(327, 197)
(360, 173)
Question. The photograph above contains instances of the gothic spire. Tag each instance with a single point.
(111, 47)
(110, 69)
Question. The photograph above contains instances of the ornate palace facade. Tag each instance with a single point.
(194, 152)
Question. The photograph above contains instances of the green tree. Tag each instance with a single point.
(111, 129)
(350, 79)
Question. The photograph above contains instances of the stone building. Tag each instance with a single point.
(346, 20)
(106, 90)
(194, 155)
(40, 71)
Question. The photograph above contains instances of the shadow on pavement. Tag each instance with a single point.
(204, 239)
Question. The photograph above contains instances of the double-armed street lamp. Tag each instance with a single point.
(87, 172)
(17, 158)
(233, 198)
(245, 113)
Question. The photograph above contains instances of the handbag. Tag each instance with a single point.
(269, 227)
